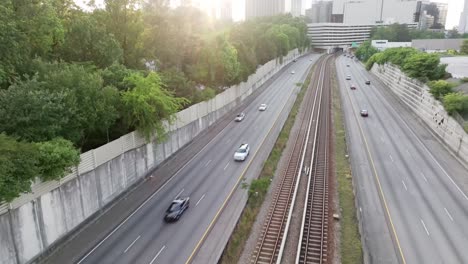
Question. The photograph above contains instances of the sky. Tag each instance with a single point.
(238, 8)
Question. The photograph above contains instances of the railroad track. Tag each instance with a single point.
(313, 240)
(270, 243)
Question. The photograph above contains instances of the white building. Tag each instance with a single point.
(385, 44)
(320, 12)
(333, 35)
(463, 25)
(374, 11)
(260, 8)
(296, 7)
(226, 10)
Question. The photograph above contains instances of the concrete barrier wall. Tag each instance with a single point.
(33, 222)
(417, 97)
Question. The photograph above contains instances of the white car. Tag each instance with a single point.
(239, 117)
(348, 77)
(242, 153)
(293, 72)
(262, 107)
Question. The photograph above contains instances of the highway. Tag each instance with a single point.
(411, 193)
(208, 179)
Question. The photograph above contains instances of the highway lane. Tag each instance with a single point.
(207, 179)
(428, 211)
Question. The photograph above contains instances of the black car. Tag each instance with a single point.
(368, 82)
(176, 209)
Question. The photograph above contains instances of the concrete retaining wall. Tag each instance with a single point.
(32, 223)
(417, 97)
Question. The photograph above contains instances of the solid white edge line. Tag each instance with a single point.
(134, 241)
(149, 198)
(425, 148)
(450, 216)
(424, 225)
(203, 196)
(157, 255)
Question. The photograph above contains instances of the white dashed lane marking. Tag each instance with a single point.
(134, 241)
(203, 196)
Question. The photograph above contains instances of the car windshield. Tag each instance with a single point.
(174, 207)
(242, 150)
(239, 115)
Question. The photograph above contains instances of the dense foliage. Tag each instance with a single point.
(72, 80)
(365, 51)
(401, 33)
(414, 63)
(464, 47)
(456, 102)
(439, 88)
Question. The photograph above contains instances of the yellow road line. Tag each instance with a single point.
(376, 175)
(197, 247)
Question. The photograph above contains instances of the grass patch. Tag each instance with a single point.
(350, 244)
(259, 187)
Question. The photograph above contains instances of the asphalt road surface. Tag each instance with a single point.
(411, 192)
(208, 179)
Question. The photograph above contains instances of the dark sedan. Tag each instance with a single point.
(176, 209)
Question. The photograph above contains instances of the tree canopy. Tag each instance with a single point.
(72, 80)
(416, 64)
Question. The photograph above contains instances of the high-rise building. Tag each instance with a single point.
(374, 11)
(321, 12)
(431, 15)
(443, 10)
(296, 7)
(463, 25)
(259, 8)
(226, 10)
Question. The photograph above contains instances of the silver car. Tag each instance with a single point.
(242, 152)
(239, 117)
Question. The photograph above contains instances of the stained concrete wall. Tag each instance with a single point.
(35, 224)
(417, 97)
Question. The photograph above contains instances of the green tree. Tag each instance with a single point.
(365, 51)
(32, 113)
(440, 88)
(115, 75)
(464, 47)
(87, 40)
(39, 22)
(424, 66)
(14, 50)
(123, 19)
(148, 104)
(55, 158)
(176, 82)
(453, 34)
(454, 102)
(18, 167)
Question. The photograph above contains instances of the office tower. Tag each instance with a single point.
(321, 12)
(374, 11)
(463, 25)
(259, 8)
(296, 7)
(226, 10)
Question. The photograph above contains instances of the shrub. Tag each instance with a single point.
(454, 102)
(440, 88)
